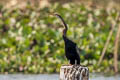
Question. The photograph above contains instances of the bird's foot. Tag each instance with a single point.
(69, 63)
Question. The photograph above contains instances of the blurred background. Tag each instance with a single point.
(31, 40)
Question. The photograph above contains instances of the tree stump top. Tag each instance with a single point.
(74, 72)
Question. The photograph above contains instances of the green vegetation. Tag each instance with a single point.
(31, 40)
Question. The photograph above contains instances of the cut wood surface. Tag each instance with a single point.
(74, 72)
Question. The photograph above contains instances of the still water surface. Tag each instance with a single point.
(51, 77)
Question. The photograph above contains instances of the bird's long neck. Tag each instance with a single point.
(66, 40)
(64, 24)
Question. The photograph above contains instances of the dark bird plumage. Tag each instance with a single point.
(71, 49)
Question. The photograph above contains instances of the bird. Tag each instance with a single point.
(72, 52)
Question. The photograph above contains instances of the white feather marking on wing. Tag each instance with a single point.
(78, 51)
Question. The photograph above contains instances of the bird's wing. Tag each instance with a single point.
(78, 50)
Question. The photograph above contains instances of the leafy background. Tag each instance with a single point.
(31, 40)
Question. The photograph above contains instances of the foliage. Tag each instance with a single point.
(31, 40)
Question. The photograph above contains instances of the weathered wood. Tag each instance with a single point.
(74, 72)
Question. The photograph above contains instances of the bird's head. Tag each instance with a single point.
(64, 24)
(55, 14)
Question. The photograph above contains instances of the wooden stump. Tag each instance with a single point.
(74, 72)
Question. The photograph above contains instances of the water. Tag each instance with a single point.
(102, 77)
(51, 77)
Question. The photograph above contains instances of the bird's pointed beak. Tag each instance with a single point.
(51, 14)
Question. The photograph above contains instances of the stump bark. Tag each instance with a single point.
(74, 72)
